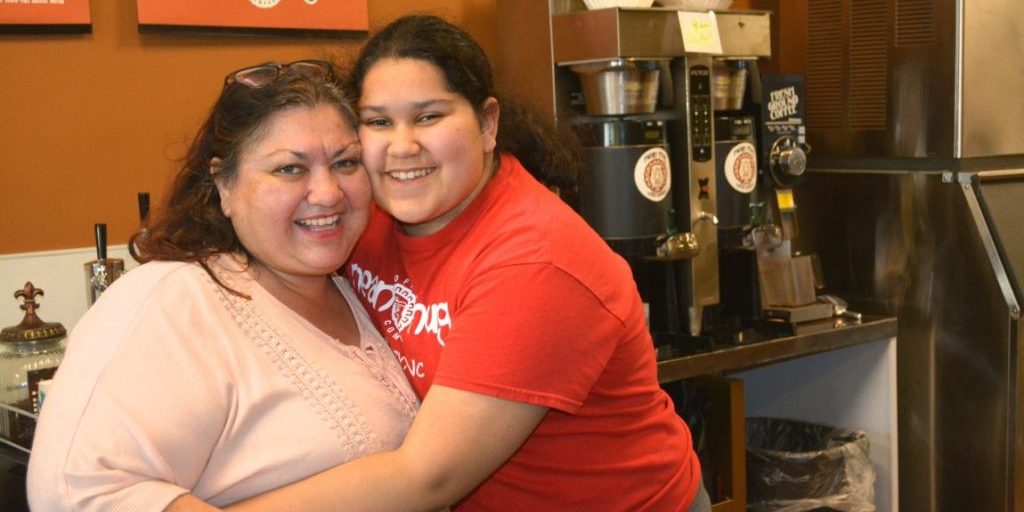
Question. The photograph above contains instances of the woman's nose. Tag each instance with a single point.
(403, 141)
(324, 188)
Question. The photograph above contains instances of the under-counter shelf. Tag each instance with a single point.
(834, 372)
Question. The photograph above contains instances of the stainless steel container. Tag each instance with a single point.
(728, 84)
(625, 190)
(619, 86)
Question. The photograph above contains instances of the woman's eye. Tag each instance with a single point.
(346, 164)
(429, 117)
(376, 122)
(290, 170)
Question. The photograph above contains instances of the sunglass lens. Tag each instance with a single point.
(311, 68)
(257, 76)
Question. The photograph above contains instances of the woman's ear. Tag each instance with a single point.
(216, 166)
(490, 114)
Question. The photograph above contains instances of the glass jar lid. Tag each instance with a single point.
(31, 328)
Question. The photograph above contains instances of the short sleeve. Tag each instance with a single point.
(130, 424)
(529, 333)
(149, 428)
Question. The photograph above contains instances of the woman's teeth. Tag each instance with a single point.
(412, 174)
(320, 223)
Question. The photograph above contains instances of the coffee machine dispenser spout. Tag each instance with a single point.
(707, 216)
(680, 246)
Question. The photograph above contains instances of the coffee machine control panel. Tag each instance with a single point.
(700, 113)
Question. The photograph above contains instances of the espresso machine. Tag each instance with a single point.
(640, 100)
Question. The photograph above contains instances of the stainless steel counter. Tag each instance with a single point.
(810, 338)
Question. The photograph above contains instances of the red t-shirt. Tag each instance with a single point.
(519, 299)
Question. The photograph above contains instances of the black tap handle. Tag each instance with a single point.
(101, 241)
(143, 207)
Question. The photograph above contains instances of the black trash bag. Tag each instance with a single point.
(793, 466)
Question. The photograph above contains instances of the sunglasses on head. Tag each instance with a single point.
(259, 76)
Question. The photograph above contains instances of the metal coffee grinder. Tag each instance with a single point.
(761, 153)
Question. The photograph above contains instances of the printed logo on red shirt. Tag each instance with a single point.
(407, 313)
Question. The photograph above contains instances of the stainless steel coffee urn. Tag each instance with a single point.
(642, 104)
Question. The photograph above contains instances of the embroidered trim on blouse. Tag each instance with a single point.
(376, 364)
(329, 402)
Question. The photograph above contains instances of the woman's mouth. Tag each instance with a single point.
(410, 174)
(320, 223)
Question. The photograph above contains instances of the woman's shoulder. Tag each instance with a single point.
(529, 214)
(153, 271)
(532, 223)
(156, 285)
(152, 278)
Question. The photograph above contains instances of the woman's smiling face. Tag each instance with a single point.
(300, 197)
(427, 151)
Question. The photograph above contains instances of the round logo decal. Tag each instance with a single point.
(653, 175)
(741, 167)
(264, 4)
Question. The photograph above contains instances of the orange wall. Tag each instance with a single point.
(87, 121)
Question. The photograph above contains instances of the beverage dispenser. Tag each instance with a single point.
(626, 192)
(642, 105)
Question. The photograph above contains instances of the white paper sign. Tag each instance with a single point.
(700, 32)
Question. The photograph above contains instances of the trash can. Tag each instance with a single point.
(794, 466)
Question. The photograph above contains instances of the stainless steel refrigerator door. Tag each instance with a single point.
(918, 245)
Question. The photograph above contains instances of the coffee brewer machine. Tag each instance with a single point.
(642, 105)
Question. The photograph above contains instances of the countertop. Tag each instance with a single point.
(809, 338)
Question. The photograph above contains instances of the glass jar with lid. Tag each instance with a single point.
(29, 354)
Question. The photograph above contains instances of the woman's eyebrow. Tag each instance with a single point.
(418, 105)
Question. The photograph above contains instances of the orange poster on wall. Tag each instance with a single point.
(331, 15)
(44, 12)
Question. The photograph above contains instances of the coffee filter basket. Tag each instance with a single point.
(619, 86)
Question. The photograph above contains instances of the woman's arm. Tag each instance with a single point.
(136, 406)
(458, 440)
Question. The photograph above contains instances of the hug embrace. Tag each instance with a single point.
(480, 348)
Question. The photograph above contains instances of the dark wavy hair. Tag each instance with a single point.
(549, 154)
(191, 226)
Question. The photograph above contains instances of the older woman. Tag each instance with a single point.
(235, 361)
